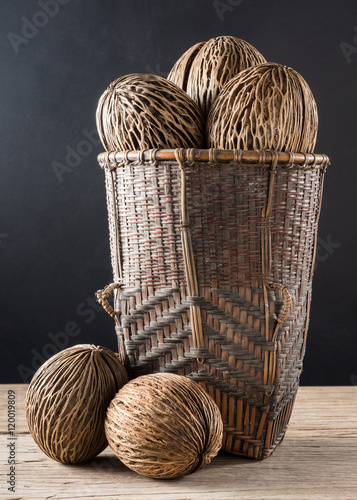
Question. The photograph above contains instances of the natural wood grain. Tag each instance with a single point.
(317, 460)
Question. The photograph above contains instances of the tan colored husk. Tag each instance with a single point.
(142, 111)
(164, 426)
(218, 60)
(67, 399)
(269, 106)
(181, 69)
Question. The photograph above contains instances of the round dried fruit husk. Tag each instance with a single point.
(67, 399)
(142, 111)
(217, 61)
(269, 106)
(181, 69)
(164, 426)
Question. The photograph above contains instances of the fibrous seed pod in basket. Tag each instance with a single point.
(142, 111)
(164, 426)
(181, 69)
(269, 106)
(213, 65)
(67, 399)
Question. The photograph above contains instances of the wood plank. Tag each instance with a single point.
(320, 411)
(317, 460)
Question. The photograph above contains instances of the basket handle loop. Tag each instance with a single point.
(270, 358)
(102, 299)
(286, 308)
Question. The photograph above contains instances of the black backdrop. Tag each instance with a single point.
(57, 57)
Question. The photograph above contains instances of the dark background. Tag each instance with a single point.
(54, 248)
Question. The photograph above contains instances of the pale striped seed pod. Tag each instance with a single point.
(164, 426)
(67, 399)
(213, 65)
(269, 106)
(181, 69)
(142, 111)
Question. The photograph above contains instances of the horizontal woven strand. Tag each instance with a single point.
(115, 159)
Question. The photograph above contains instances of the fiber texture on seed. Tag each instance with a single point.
(67, 399)
(204, 70)
(164, 426)
(268, 106)
(142, 111)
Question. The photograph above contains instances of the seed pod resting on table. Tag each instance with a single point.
(67, 399)
(164, 426)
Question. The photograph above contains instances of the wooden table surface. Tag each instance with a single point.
(317, 460)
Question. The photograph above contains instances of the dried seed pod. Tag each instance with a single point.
(67, 399)
(217, 61)
(164, 426)
(181, 69)
(142, 111)
(268, 106)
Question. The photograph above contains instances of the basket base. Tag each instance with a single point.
(250, 430)
(251, 447)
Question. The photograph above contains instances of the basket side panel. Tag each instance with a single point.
(226, 206)
(238, 253)
(148, 217)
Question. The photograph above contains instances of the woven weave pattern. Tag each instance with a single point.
(226, 221)
(148, 213)
(251, 228)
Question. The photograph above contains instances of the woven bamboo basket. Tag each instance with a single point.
(213, 255)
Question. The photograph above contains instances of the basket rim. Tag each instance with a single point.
(256, 158)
